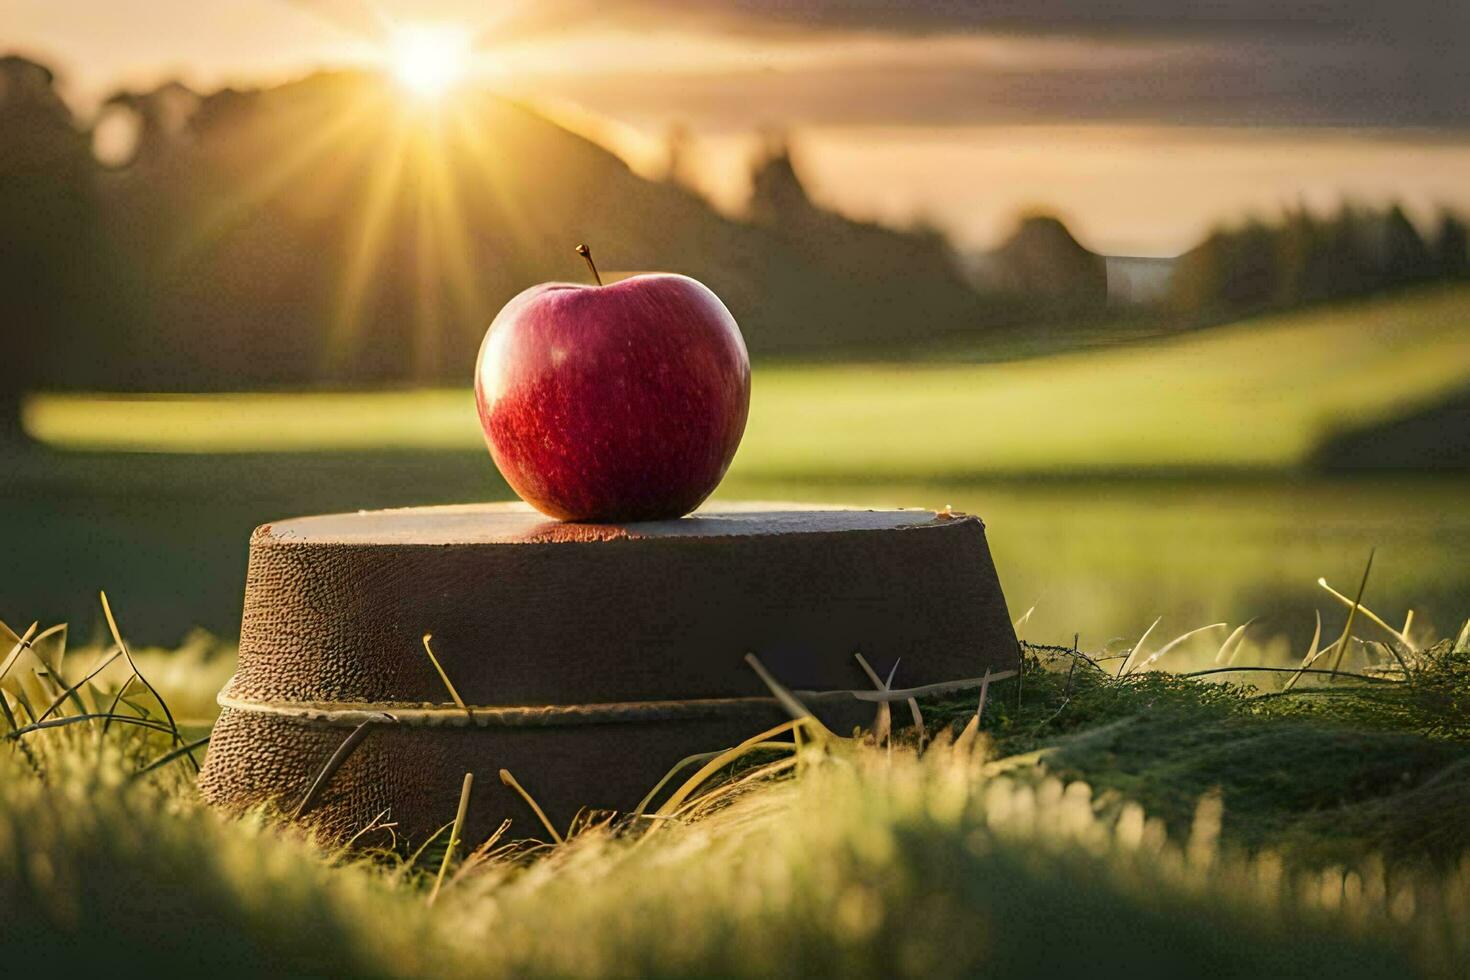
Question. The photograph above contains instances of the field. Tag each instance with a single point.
(1252, 395)
(1159, 478)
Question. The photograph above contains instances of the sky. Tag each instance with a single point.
(1141, 121)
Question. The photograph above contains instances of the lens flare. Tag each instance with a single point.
(429, 59)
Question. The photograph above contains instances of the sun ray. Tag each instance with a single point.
(427, 319)
(367, 244)
(491, 170)
(459, 250)
(237, 208)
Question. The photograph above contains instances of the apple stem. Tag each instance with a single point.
(586, 253)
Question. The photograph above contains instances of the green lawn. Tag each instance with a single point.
(1257, 394)
(1150, 826)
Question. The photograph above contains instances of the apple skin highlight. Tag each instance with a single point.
(614, 403)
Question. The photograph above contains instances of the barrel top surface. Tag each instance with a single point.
(517, 523)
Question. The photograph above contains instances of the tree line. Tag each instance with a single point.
(1303, 258)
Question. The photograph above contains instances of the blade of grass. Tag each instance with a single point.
(678, 767)
(721, 761)
(25, 749)
(914, 711)
(883, 722)
(1347, 628)
(887, 713)
(1019, 626)
(66, 690)
(1373, 617)
(334, 762)
(972, 727)
(46, 634)
(1311, 656)
(24, 703)
(47, 683)
(480, 853)
(117, 638)
(20, 644)
(418, 851)
(1123, 670)
(768, 746)
(509, 780)
(702, 802)
(1156, 657)
(70, 692)
(1236, 634)
(793, 707)
(448, 684)
(168, 757)
(1394, 653)
(371, 826)
(456, 831)
(913, 702)
(77, 719)
(941, 687)
(116, 700)
(1294, 671)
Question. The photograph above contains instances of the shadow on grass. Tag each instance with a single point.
(168, 534)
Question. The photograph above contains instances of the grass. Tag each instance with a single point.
(1259, 394)
(1323, 776)
(1251, 395)
(1147, 822)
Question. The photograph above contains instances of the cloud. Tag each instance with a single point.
(1402, 19)
(1206, 91)
(1382, 63)
(1317, 62)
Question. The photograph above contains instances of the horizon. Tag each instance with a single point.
(961, 123)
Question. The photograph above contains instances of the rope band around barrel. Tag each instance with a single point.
(350, 715)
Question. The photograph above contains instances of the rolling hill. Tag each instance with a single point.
(325, 231)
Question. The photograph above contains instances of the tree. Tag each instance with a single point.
(1047, 267)
(48, 219)
(777, 194)
(1304, 259)
(1406, 258)
(1452, 247)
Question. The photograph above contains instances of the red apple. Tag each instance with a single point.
(623, 402)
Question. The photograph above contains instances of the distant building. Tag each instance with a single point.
(1138, 280)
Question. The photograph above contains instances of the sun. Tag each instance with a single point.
(429, 59)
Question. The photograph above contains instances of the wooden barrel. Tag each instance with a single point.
(590, 658)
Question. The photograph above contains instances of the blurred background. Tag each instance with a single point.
(1177, 299)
